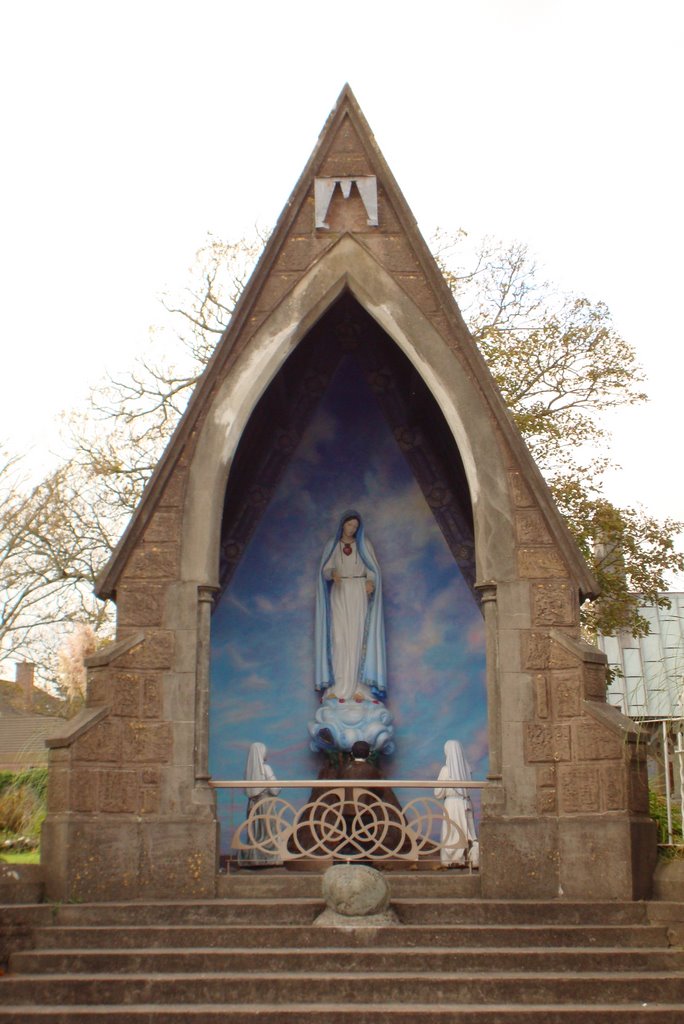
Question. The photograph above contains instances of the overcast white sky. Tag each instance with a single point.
(130, 130)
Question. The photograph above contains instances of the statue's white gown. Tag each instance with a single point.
(348, 606)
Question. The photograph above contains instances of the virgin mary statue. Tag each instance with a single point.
(350, 629)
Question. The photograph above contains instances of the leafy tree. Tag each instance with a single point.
(560, 364)
(50, 546)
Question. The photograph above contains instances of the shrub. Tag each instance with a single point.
(658, 811)
(23, 801)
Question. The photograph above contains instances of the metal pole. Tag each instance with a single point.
(668, 790)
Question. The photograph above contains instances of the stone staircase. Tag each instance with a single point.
(251, 954)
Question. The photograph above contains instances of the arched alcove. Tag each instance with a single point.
(347, 421)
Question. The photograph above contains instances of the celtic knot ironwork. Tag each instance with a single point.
(350, 823)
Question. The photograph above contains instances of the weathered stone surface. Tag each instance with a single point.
(147, 741)
(141, 605)
(637, 781)
(531, 529)
(566, 686)
(299, 251)
(540, 563)
(553, 604)
(154, 561)
(119, 792)
(101, 743)
(595, 683)
(97, 687)
(547, 801)
(156, 651)
(150, 800)
(58, 790)
(151, 697)
(355, 890)
(547, 775)
(125, 694)
(547, 742)
(84, 789)
(174, 490)
(541, 693)
(273, 291)
(522, 496)
(539, 651)
(594, 743)
(393, 252)
(613, 789)
(578, 789)
(418, 289)
(163, 528)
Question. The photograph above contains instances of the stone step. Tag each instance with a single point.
(241, 936)
(323, 960)
(381, 1013)
(312, 1013)
(304, 910)
(426, 911)
(337, 988)
(277, 882)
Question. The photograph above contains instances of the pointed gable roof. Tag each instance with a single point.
(334, 198)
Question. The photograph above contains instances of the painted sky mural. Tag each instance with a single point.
(262, 629)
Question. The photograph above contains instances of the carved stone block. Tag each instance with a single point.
(546, 776)
(536, 648)
(541, 694)
(547, 801)
(154, 561)
(152, 697)
(546, 742)
(150, 776)
(595, 682)
(578, 789)
(613, 787)
(566, 686)
(520, 491)
(559, 657)
(541, 563)
(141, 605)
(98, 687)
(552, 604)
(119, 792)
(147, 741)
(150, 801)
(101, 743)
(540, 652)
(531, 528)
(156, 651)
(595, 743)
(125, 691)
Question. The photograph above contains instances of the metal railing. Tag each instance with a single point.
(356, 820)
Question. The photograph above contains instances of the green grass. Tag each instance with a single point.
(21, 857)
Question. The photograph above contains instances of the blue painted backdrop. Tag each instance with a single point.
(262, 629)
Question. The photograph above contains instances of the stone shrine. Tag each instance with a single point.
(131, 810)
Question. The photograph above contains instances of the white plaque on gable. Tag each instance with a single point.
(368, 190)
